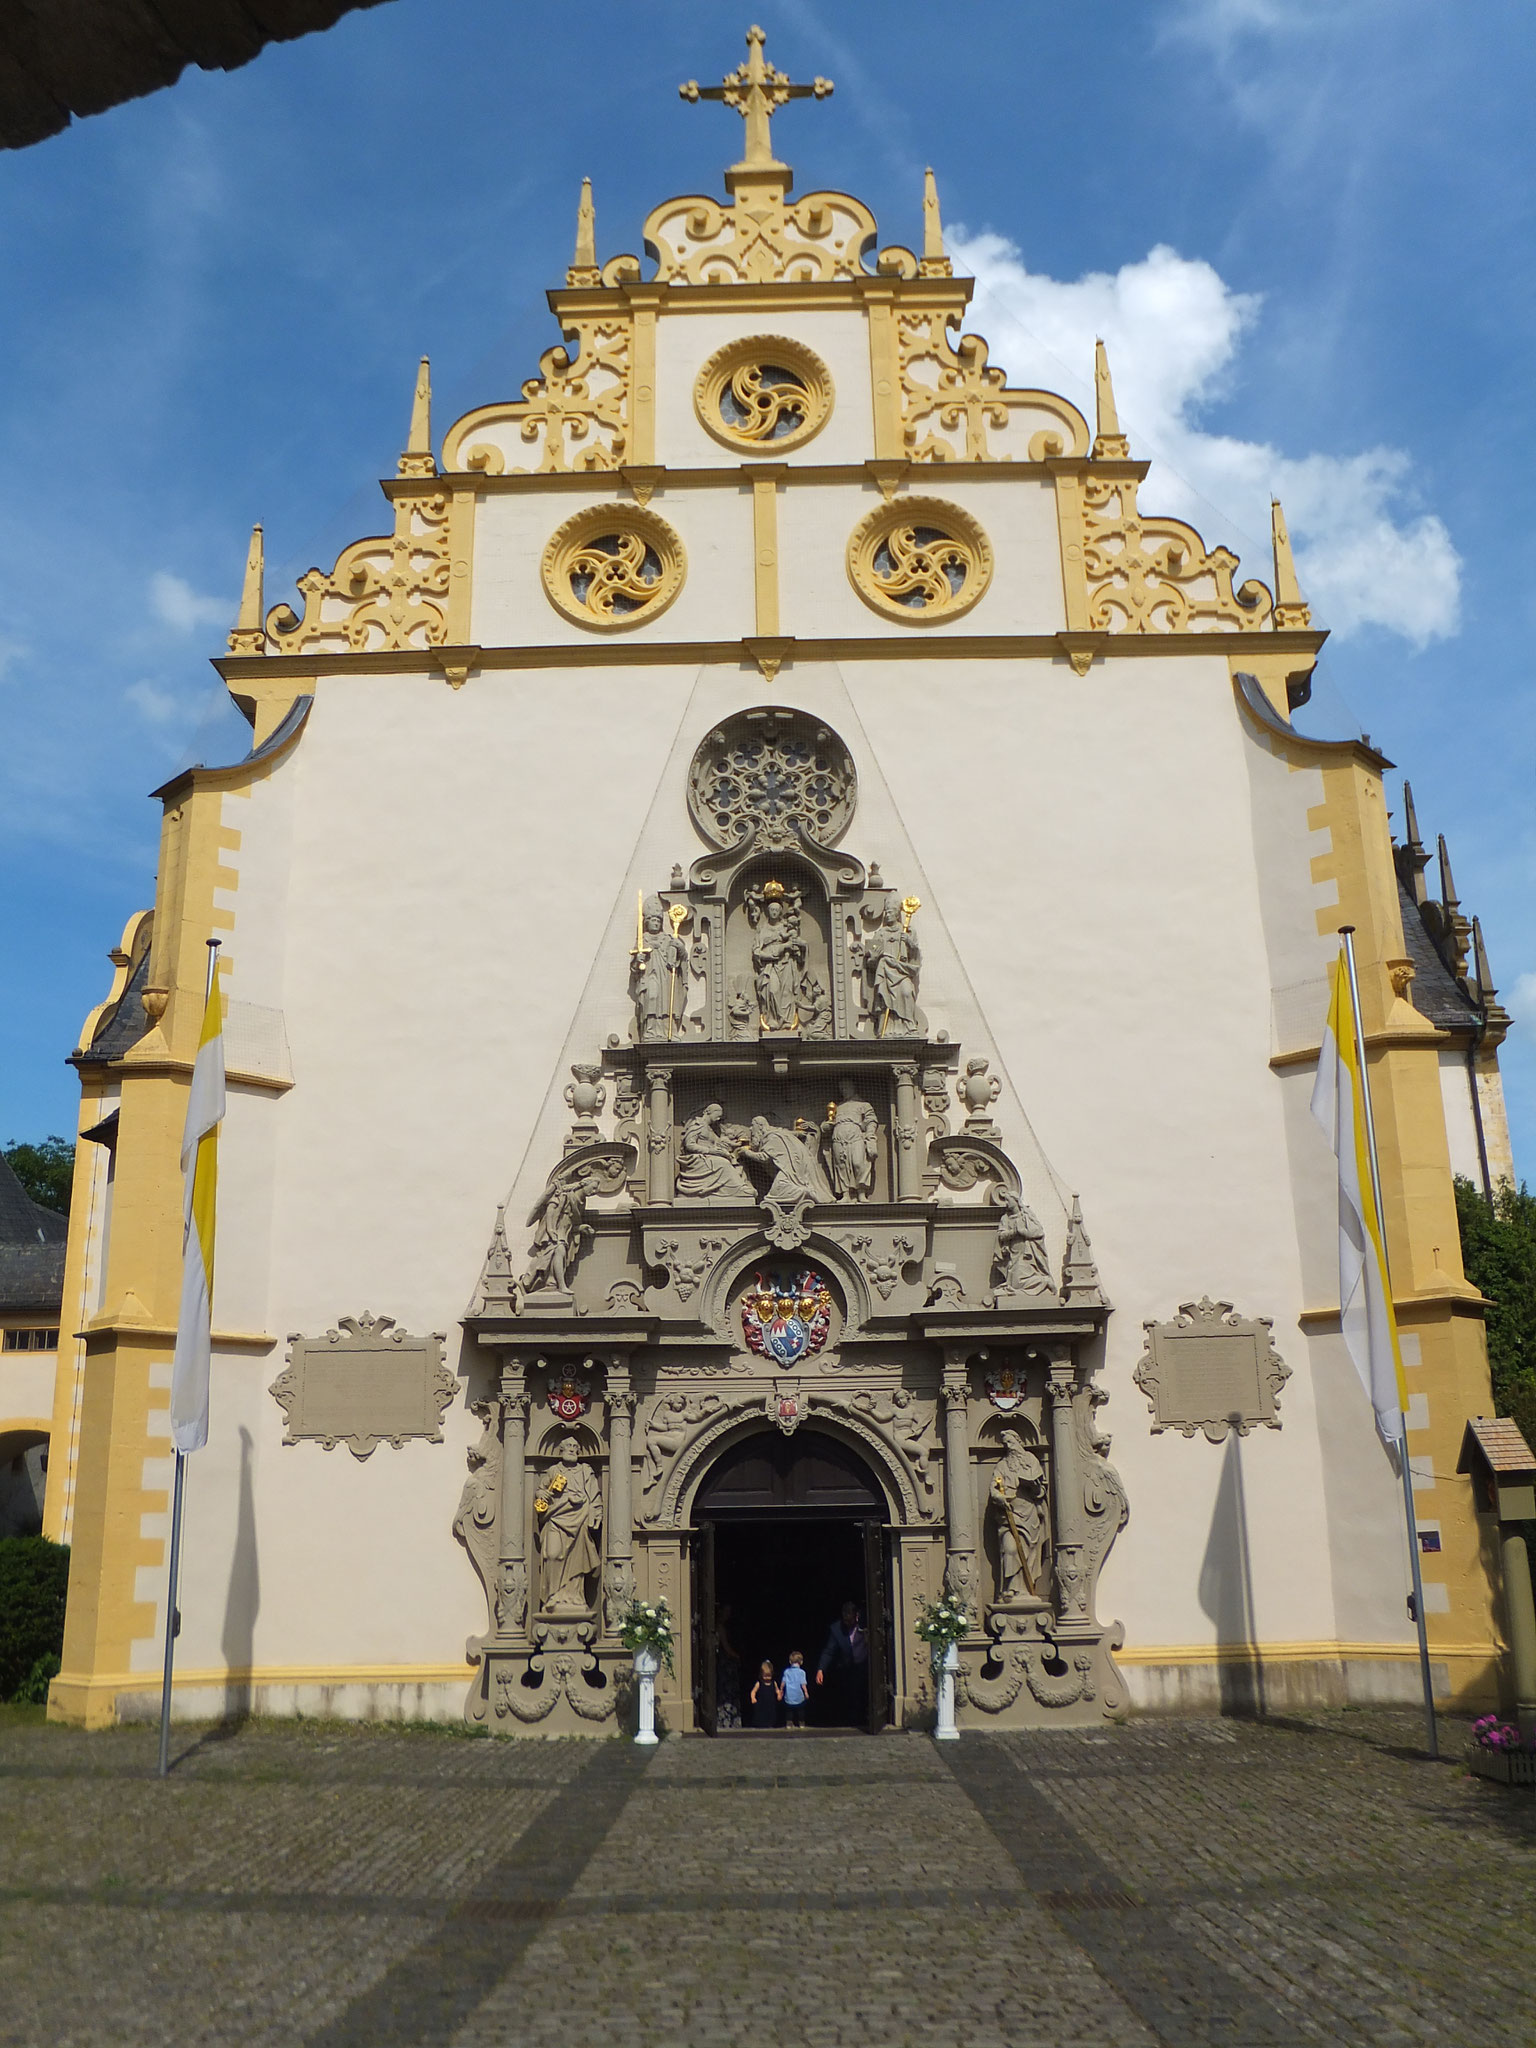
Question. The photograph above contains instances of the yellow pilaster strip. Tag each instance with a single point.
(885, 375)
(461, 564)
(765, 545)
(1074, 576)
(642, 396)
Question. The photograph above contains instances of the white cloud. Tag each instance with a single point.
(178, 605)
(1520, 1001)
(1366, 555)
(155, 706)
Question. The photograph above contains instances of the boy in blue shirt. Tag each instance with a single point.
(796, 1686)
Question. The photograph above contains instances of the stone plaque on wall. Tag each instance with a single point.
(1211, 1369)
(364, 1384)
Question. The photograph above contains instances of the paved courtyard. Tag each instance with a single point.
(1186, 1882)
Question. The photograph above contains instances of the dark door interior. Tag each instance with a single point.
(797, 1529)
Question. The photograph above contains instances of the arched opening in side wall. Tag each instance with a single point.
(789, 1534)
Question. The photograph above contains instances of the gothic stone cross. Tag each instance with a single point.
(756, 90)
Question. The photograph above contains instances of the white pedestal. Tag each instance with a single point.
(949, 1664)
(647, 1663)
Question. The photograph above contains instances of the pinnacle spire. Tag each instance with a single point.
(1486, 990)
(584, 268)
(935, 262)
(1448, 894)
(417, 459)
(1109, 444)
(249, 635)
(1291, 609)
(1411, 857)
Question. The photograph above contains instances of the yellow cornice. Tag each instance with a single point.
(294, 670)
(731, 475)
(126, 1330)
(158, 1062)
(922, 294)
(1431, 1038)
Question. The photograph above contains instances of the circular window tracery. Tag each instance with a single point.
(763, 393)
(919, 560)
(765, 775)
(613, 566)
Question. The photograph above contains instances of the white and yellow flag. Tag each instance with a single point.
(200, 1167)
(1365, 1294)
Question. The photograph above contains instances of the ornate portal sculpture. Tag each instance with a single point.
(569, 1507)
(1020, 1265)
(559, 1233)
(798, 1182)
(710, 1170)
(891, 962)
(851, 1135)
(778, 955)
(659, 968)
(1017, 1500)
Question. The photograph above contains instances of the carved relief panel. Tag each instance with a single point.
(1211, 1369)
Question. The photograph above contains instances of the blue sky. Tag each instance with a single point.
(1305, 227)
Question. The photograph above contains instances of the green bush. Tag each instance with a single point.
(34, 1575)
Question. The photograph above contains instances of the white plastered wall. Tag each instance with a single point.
(1460, 1120)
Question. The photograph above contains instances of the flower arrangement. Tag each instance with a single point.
(941, 1623)
(647, 1627)
(1493, 1733)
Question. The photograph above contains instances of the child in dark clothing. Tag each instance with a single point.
(765, 1698)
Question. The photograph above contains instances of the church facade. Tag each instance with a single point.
(775, 935)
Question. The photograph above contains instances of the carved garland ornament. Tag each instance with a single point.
(613, 566)
(919, 560)
(763, 392)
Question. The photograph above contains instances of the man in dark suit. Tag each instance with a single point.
(846, 1661)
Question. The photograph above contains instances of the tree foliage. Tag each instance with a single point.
(1498, 1250)
(45, 1170)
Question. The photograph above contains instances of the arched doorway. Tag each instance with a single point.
(787, 1529)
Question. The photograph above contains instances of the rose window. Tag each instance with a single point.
(765, 777)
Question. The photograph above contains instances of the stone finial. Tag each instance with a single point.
(1080, 1286)
(584, 269)
(976, 1091)
(935, 262)
(417, 459)
(249, 635)
(1109, 444)
(1291, 610)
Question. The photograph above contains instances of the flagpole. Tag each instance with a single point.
(1432, 1733)
(172, 1617)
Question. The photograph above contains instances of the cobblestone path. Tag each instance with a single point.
(1191, 1883)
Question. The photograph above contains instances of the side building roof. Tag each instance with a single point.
(32, 1246)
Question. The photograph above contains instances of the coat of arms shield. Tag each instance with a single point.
(787, 1317)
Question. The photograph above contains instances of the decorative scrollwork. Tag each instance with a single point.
(576, 410)
(388, 592)
(766, 776)
(763, 392)
(919, 560)
(954, 401)
(613, 566)
(1152, 575)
